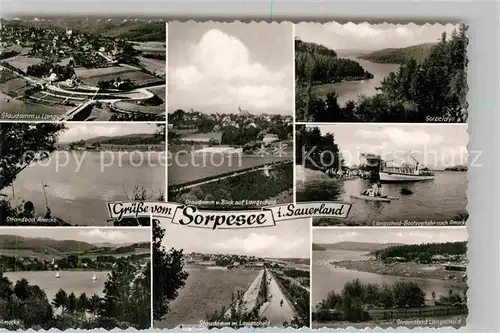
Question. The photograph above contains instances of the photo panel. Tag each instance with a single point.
(78, 68)
(390, 174)
(230, 114)
(235, 278)
(75, 278)
(389, 277)
(362, 72)
(64, 174)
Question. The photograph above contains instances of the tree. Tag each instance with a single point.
(21, 289)
(72, 303)
(169, 275)
(60, 300)
(22, 144)
(83, 303)
(5, 287)
(94, 305)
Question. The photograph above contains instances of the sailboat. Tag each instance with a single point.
(57, 275)
(94, 278)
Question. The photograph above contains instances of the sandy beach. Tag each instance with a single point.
(408, 269)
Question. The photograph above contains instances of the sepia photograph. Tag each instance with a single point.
(69, 278)
(71, 68)
(54, 174)
(391, 174)
(381, 72)
(233, 278)
(389, 277)
(230, 114)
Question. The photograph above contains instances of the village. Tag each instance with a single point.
(71, 75)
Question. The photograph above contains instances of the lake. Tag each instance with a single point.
(190, 167)
(440, 199)
(350, 90)
(206, 291)
(77, 282)
(326, 277)
(79, 195)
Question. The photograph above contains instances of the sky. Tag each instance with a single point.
(84, 131)
(216, 67)
(288, 239)
(365, 36)
(383, 235)
(436, 146)
(88, 235)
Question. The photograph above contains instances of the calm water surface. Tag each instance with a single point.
(78, 195)
(326, 277)
(206, 290)
(350, 90)
(69, 281)
(442, 198)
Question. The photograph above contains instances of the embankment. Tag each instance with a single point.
(252, 296)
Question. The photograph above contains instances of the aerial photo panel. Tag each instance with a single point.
(74, 68)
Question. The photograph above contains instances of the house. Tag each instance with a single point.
(270, 138)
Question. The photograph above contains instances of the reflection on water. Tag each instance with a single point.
(443, 198)
(70, 281)
(351, 90)
(327, 277)
(77, 193)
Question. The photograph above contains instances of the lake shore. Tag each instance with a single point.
(405, 269)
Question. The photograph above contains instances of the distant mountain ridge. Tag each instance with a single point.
(399, 55)
(48, 246)
(353, 246)
(142, 30)
(127, 139)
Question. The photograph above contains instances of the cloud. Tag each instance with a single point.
(261, 244)
(400, 138)
(221, 75)
(100, 235)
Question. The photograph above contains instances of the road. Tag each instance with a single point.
(275, 312)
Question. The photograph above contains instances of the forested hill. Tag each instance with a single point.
(26, 246)
(317, 64)
(400, 55)
(42, 245)
(354, 246)
(411, 252)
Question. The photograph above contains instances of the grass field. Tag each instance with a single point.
(92, 76)
(22, 62)
(153, 65)
(16, 109)
(14, 87)
(126, 106)
(84, 73)
(159, 91)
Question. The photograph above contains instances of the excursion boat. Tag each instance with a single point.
(407, 172)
